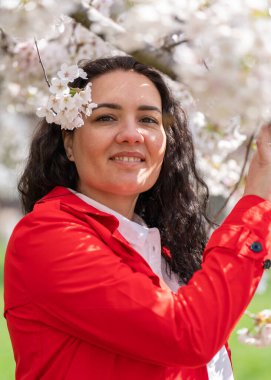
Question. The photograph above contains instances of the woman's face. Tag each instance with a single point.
(120, 149)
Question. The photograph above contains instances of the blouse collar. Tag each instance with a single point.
(135, 231)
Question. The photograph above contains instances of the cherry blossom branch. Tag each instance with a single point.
(248, 147)
(44, 72)
(174, 44)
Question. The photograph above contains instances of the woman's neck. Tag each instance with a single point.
(122, 204)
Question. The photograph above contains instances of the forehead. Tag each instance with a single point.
(125, 86)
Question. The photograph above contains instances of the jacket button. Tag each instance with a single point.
(267, 264)
(256, 247)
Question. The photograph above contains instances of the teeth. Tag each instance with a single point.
(127, 159)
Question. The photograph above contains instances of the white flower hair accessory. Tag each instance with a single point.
(66, 105)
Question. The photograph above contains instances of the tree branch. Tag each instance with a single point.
(44, 72)
(248, 147)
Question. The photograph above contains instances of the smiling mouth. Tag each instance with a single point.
(127, 159)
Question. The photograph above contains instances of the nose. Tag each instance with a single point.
(129, 132)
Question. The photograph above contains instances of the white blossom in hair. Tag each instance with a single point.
(66, 105)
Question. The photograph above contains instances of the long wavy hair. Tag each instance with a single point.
(176, 204)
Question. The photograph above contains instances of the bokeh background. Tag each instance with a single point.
(214, 54)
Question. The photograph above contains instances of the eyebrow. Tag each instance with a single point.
(118, 107)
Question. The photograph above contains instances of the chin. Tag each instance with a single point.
(131, 189)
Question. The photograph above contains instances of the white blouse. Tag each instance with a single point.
(147, 242)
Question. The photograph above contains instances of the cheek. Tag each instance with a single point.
(158, 146)
(85, 146)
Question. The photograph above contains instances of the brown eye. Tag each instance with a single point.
(149, 120)
(104, 118)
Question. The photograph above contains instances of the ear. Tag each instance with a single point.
(68, 144)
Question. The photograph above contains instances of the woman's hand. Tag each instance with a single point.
(259, 174)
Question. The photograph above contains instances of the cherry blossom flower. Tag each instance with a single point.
(59, 86)
(70, 73)
(66, 106)
(49, 114)
(260, 333)
(54, 103)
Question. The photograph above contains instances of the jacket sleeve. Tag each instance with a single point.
(82, 288)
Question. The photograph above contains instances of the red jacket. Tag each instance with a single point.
(81, 304)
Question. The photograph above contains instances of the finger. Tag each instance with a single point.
(264, 144)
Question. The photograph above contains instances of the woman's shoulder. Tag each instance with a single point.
(57, 212)
(62, 214)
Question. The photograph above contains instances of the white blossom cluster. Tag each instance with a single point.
(222, 50)
(219, 152)
(67, 105)
(260, 334)
(25, 19)
(226, 61)
(23, 87)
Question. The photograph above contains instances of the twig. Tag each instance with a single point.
(240, 178)
(174, 44)
(205, 64)
(7, 43)
(249, 314)
(44, 72)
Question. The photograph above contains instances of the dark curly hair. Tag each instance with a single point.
(176, 204)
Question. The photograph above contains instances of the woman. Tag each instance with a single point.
(87, 294)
